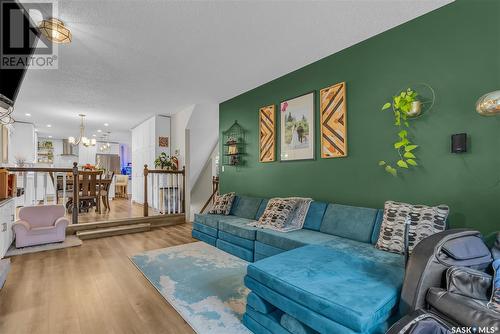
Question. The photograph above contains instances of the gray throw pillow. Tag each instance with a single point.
(222, 205)
(424, 221)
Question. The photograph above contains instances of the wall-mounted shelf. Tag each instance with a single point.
(233, 145)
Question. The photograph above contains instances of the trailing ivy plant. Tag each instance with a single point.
(401, 105)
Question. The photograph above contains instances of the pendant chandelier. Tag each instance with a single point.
(55, 31)
(105, 148)
(82, 139)
(6, 110)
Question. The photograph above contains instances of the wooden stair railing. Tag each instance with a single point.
(167, 189)
(47, 172)
(215, 190)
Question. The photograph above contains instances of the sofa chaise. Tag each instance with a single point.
(327, 277)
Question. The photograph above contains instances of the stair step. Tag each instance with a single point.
(115, 230)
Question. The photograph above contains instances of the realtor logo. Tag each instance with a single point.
(474, 330)
(21, 43)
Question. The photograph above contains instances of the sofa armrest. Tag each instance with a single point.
(61, 221)
(21, 225)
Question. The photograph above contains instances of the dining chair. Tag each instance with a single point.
(90, 188)
(121, 186)
(104, 193)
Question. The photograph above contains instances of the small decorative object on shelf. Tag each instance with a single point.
(234, 142)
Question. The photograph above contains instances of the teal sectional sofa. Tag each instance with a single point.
(325, 278)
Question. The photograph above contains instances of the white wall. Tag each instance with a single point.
(179, 124)
(203, 128)
(202, 189)
(195, 132)
(22, 142)
(145, 148)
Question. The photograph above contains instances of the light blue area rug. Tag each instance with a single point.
(203, 283)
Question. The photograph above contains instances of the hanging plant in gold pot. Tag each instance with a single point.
(406, 105)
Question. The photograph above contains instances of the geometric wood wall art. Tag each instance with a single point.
(163, 141)
(333, 121)
(267, 134)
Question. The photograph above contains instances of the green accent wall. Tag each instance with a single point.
(455, 49)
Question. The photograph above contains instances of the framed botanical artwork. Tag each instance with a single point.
(297, 128)
(267, 134)
(333, 113)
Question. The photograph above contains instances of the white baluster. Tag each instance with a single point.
(158, 187)
(25, 186)
(45, 188)
(178, 194)
(168, 194)
(55, 188)
(36, 189)
(64, 188)
(163, 193)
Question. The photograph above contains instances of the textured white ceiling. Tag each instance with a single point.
(133, 59)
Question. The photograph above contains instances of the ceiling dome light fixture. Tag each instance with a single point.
(55, 31)
(489, 104)
(82, 139)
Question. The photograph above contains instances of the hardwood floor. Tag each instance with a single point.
(120, 208)
(90, 289)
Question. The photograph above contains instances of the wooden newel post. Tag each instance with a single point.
(146, 206)
(76, 185)
(183, 189)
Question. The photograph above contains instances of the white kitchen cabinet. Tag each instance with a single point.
(7, 217)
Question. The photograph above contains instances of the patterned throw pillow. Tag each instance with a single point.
(222, 204)
(298, 217)
(494, 303)
(424, 221)
(278, 212)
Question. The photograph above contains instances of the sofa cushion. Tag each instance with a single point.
(267, 250)
(294, 326)
(204, 237)
(259, 304)
(333, 279)
(315, 215)
(262, 208)
(350, 222)
(210, 220)
(264, 323)
(238, 227)
(293, 239)
(377, 225)
(309, 317)
(246, 207)
(241, 252)
(231, 238)
(205, 229)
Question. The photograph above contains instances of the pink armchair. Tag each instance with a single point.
(40, 225)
